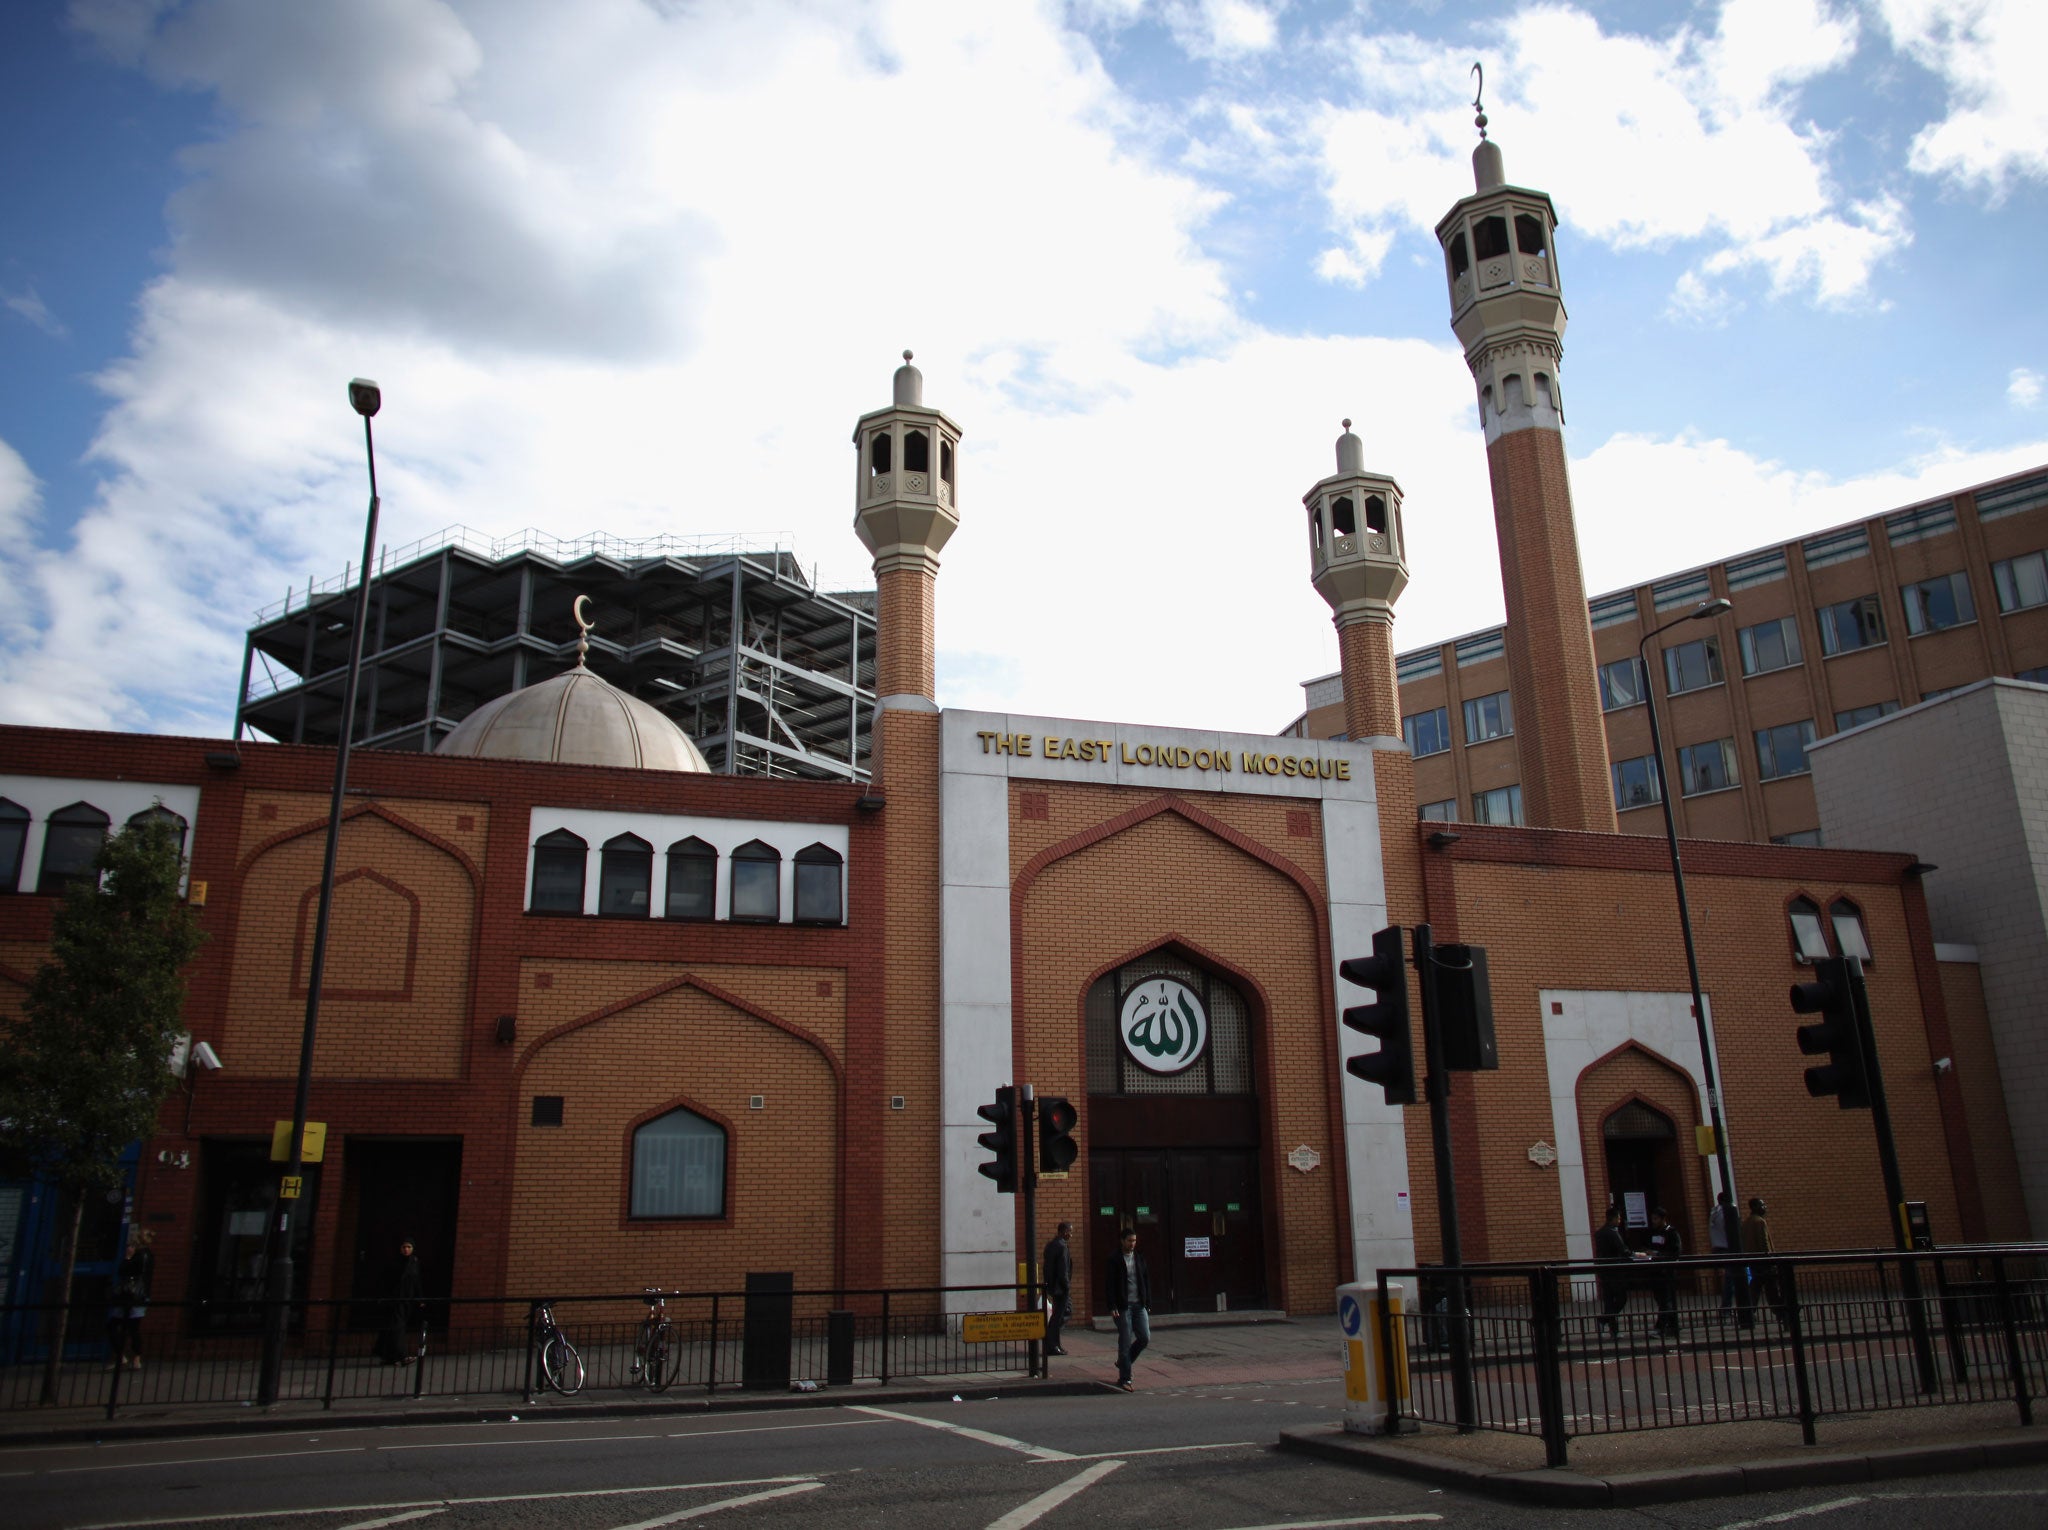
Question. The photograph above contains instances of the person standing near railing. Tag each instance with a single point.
(1724, 1233)
(1756, 1239)
(1059, 1283)
(132, 1284)
(402, 1319)
(1610, 1247)
(1665, 1246)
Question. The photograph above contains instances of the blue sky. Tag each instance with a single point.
(636, 268)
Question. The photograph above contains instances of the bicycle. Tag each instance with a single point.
(652, 1364)
(560, 1364)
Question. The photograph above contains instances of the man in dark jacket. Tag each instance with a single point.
(1609, 1246)
(1059, 1281)
(1665, 1245)
(1128, 1287)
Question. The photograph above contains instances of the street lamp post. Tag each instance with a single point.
(365, 398)
(1708, 1062)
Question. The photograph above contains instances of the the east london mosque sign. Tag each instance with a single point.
(1054, 746)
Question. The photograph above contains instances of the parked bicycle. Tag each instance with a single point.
(653, 1366)
(560, 1364)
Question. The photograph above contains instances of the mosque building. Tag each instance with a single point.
(596, 1017)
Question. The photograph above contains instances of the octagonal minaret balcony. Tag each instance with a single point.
(1356, 556)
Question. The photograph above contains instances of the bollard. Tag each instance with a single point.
(1368, 1363)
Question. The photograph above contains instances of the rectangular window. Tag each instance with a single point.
(1856, 717)
(1692, 665)
(1810, 837)
(2022, 582)
(1781, 751)
(1445, 811)
(2037, 676)
(1708, 767)
(1850, 625)
(1933, 604)
(1635, 783)
(1427, 732)
(1501, 805)
(1488, 717)
(1769, 645)
(1621, 685)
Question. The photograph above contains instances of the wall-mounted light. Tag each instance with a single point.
(1921, 868)
(224, 759)
(1443, 838)
(871, 802)
(1944, 1065)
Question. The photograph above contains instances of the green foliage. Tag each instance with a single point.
(86, 1069)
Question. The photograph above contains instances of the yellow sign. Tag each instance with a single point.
(992, 1327)
(314, 1142)
(288, 1188)
(1703, 1140)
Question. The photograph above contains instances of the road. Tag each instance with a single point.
(1198, 1456)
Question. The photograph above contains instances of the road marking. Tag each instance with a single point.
(523, 1440)
(437, 1503)
(1791, 1514)
(1030, 1513)
(1003, 1440)
(723, 1503)
(271, 1455)
(839, 1423)
(1155, 1450)
(392, 1519)
(1332, 1524)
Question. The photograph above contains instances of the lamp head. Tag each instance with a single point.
(1714, 607)
(364, 397)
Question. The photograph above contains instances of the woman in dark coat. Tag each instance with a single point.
(132, 1283)
(402, 1321)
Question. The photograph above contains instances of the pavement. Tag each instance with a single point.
(1617, 1470)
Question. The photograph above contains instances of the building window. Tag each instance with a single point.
(819, 881)
(1635, 783)
(547, 1110)
(2036, 676)
(756, 882)
(1806, 837)
(1852, 936)
(1489, 717)
(917, 452)
(1621, 685)
(1939, 692)
(13, 841)
(558, 859)
(1781, 751)
(1427, 732)
(71, 839)
(2021, 582)
(1445, 811)
(1850, 625)
(1501, 805)
(679, 1167)
(692, 880)
(1934, 604)
(1856, 717)
(1769, 645)
(625, 877)
(161, 814)
(1809, 940)
(880, 448)
(1708, 767)
(1225, 1065)
(1690, 666)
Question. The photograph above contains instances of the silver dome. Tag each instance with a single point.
(574, 719)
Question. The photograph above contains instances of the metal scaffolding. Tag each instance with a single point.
(767, 675)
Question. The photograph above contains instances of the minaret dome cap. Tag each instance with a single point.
(909, 385)
(1487, 169)
(1350, 452)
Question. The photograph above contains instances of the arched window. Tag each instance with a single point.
(71, 839)
(625, 876)
(1809, 941)
(1220, 1041)
(1375, 513)
(879, 449)
(916, 452)
(13, 841)
(1529, 235)
(1343, 516)
(1315, 528)
(161, 814)
(1460, 261)
(679, 1167)
(756, 882)
(558, 859)
(1852, 935)
(818, 882)
(1490, 238)
(945, 461)
(692, 880)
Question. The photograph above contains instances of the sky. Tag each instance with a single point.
(637, 266)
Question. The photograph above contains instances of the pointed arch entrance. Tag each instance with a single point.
(1176, 1133)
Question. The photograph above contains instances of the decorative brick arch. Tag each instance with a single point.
(1593, 1114)
(307, 899)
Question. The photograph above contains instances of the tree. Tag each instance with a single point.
(85, 1071)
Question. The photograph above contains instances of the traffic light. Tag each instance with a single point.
(1836, 1034)
(1002, 1140)
(1392, 1067)
(1056, 1146)
(1464, 1010)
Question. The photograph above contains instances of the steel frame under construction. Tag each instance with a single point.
(768, 676)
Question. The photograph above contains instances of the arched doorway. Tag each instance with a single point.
(1174, 1133)
(1641, 1146)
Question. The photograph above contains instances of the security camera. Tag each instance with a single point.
(364, 397)
(1944, 1065)
(206, 1057)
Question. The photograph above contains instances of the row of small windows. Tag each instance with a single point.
(1486, 717)
(917, 454)
(72, 836)
(1501, 805)
(1490, 240)
(625, 880)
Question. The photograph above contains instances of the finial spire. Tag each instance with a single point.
(1478, 92)
(909, 385)
(580, 609)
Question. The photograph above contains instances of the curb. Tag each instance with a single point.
(1565, 1489)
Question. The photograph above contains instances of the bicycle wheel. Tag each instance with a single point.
(562, 1366)
(659, 1372)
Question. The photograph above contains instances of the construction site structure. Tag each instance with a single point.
(734, 643)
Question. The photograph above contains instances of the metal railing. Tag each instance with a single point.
(1560, 1351)
(487, 1347)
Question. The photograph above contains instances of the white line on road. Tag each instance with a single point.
(1791, 1514)
(1029, 1513)
(392, 1519)
(1156, 1450)
(1333, 1524)
(723, 1503)
(838, 1423)
(1003, 1440)
(269, 1455)
(522, 1441)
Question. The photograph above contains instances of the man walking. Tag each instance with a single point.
(1059, 1281)
(1129, 1287)
(1665, 1246)
(1724, 1234)
(1611, 1248)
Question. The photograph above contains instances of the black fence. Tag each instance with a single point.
(1562, 1351)
(493, 1348)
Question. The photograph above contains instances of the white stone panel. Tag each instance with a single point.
(974, 831)
(41, 796)
(981, 1242)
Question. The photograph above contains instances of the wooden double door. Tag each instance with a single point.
(1198, 1219)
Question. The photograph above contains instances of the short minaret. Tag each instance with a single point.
(1507, 308)
(1356, 560)
(904, 511)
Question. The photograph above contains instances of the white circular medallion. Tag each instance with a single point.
(1164, 1026)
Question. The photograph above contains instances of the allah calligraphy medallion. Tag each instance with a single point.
(1164, 1026)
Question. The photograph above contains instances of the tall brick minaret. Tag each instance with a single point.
(1356, 561)
(1508, 310)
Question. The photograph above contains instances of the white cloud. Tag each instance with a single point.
(20, 500)
(1222, 29)
(1357, 262)
(1830, 256)
(28, 303)
(2023, 388)
(1988, 53)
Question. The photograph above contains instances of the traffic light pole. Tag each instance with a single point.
(1438, 1088)
(1027, 1186)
